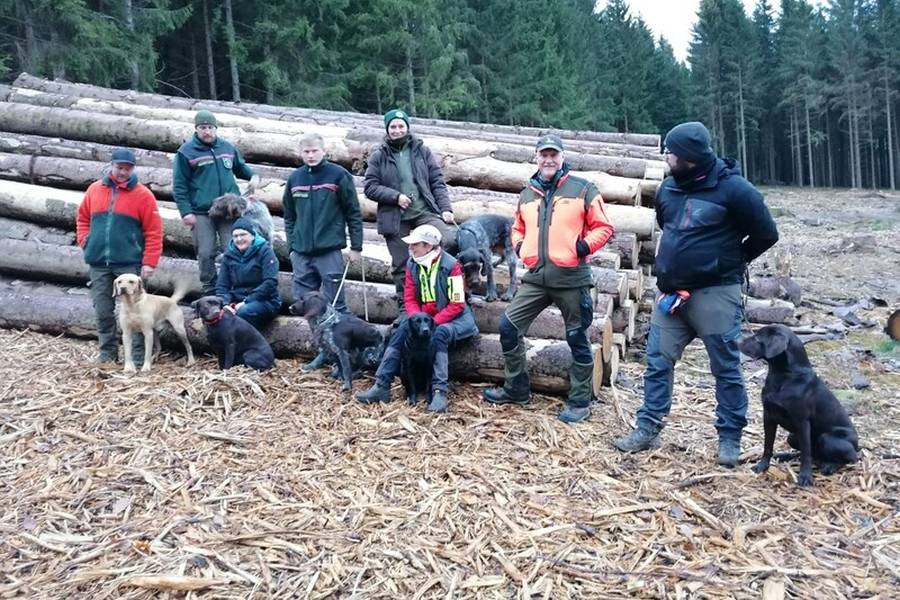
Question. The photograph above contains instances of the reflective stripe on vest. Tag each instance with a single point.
(428, 281)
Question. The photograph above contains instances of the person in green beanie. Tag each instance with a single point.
(406, 181)
(205, 168)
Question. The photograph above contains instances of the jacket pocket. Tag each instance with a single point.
(699, 214)
(388, 220)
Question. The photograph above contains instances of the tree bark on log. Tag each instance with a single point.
(24, 80)
(345, 142)
(770, 311)
(625, 243)
(57, 310)
(777, 286)
(66, 264)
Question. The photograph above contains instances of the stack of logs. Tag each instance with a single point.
(56, 138)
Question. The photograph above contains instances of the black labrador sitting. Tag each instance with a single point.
(478, 239)
(350, 343)
(416, 369)
(795, 398)
(234, 340)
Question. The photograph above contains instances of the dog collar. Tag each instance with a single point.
(215, 319)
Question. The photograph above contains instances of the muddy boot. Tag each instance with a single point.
(578, 405)
(377, 393)
(729, 452)
(638, 440)
(438, 402)
(517, 387)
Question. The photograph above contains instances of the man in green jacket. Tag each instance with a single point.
(205, 168)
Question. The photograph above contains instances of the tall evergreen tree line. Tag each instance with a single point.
(802, 94)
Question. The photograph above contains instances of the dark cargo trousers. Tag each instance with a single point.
(210, 239)
(577, 308)
(713, 314)
(101, 290)
(312, 272)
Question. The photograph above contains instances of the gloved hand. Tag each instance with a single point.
(672, 302)
(582, 249)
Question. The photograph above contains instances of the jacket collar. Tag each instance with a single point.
(201, 145)
(704, 181)
(128, 185)
(538, 185)
(318, 168)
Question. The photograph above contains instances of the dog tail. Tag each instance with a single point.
(182, 287)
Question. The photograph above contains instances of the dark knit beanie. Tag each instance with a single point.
(395, 114)
(244, 224)
(691, 142)
(204, 117)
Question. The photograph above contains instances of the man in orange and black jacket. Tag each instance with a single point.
(559, 222)
(119, 228)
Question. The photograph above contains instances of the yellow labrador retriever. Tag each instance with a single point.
(140, 311)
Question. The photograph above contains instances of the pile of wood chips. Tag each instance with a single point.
(240, 485)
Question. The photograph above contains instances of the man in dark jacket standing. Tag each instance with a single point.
(559, 221)
(406, 181)
(320, 209)
(248, 276)
(714, 223)
(205, 168)
(119, 228)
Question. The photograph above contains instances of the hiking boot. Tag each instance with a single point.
(319, 361)
(105, 358)
(637, 441)
(574, 414)
(438, 402)
(729, 452)
(376, 393)
(499, 395)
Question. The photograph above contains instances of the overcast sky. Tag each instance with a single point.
(673, 19)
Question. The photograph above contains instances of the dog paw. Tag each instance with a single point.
(346, 387)
(805, 480)
(490, 298)
(506, 297)
(145, 369)
(130, 369)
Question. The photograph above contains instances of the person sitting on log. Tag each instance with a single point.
(406, 181)
(205, 168)
(559, 221)
(320, 209)
(119, 228)
(714, 223)
(433, 284)
(247, 280)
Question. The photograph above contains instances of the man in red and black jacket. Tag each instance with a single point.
(434, 284)
(119, 228)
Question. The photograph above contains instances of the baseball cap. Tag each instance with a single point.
(123, 155)
(549, 141)
(424, 233)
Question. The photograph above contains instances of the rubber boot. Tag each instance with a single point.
(516, 388)
(377, 393)
(578, 405)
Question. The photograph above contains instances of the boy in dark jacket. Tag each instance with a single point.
(406, 181)
(205, 168)
(320, 209)
(248, 276)
(714, 223)
(119, 228)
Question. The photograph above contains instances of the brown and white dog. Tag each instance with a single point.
(140, 311)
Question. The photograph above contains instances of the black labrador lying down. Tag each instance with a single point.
(795, 398)
(416, 369)
(478, 239)
(234, 340)
(350, 343)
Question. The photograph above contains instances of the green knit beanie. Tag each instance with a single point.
(204, 117)
(395, 114)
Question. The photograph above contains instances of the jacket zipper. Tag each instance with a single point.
(216, 167)
(546, 214)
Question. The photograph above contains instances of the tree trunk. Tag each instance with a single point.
(29, 56)
(53, 309)
(270, 89)
(769, 311)
(210, 62)
(591, 142)
(809, 147)
(132, 61)
(410, 80)
(232, 52)
(625, 244)
(889, 134)
(195, 70)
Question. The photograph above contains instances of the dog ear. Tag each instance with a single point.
(140, 284)
(776, 344)
(115, 288)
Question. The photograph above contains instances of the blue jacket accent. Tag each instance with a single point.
(251, 275)
(712, 228)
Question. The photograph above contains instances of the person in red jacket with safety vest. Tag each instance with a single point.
(434, 284)
(559, 221)
(119, 229)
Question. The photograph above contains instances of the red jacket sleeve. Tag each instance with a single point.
(517, 231)
(457, 303)
(410, 301)
(597, 228)
(83, 219)
(151, 223)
